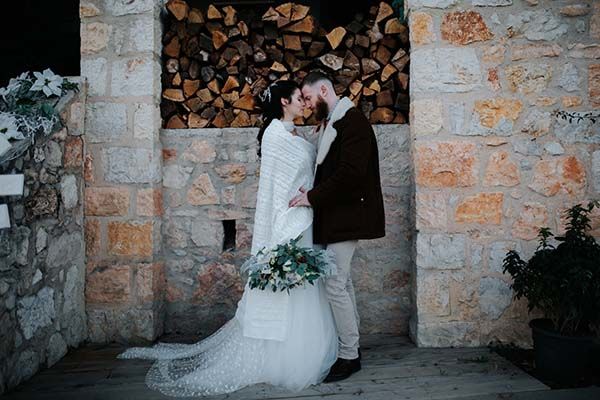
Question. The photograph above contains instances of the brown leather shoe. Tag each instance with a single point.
(342, 369)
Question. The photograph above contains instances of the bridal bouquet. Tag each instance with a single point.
(287, 266)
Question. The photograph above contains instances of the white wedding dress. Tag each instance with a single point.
(237, 355)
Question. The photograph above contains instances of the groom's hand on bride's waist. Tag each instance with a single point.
(300, 200)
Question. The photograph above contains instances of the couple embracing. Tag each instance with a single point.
(323, 187)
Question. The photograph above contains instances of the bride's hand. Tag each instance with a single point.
(300, 200)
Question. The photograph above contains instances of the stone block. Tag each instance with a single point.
(432, 210)
(537, 123)
(207, 233)
(94, 37)
(92, 237)
(130, 238)
(146, 121)
(130, 165)
(128, 7)
(501, 170)
(495, 116)
(495, 296)
(105, 121)
(73, 154)
(426, 116)
(69, 192)
(202, 192)
(433, 294)
(137, 76)
(464, 27)
(176, 176)
(36, 312)
(532, 217)
(421, 28)
(200, 151)
(445, 70)
(232, 173)
(594, 85)
(482, 208)
(446, 164)
(441, 251)
(559, 175)
(111, 285)
(537, 25)
(107, 201)
(528, 78)
(95, 71)
(596, 170)
(149, 202)
(498, 252)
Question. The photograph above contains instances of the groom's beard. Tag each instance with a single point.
(321, 109)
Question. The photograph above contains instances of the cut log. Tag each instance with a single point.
(356, 87)
(375, 86)
(195, 104)
(368, 91)
(243, 28)
(299, 11)
(230, 16)
(195, 16)
(196, 121)
(259, 55)
(381, 115)
(176, 80)
(387, 72)
(305, 25)
(205, 95)
(332, 61)
(369, 65)
(335, 37)
(219, 103)
(282, 21)
(383, 55)
(230, 97)
(246, 102)
(173, 48)
(384, 98)
(190, 87)
(403, 80)
(351, 61)
(214, 86)
(219, 39)
(362, 41)
(315, 49)
(374, 34)
(220, 121)
(285, 10)
(292, 42)
(230, 84)
(207, 73)
(394, 26)
(278, 67)
(213, 13)
(176, 122)
(241, 120)
(385, 10)
(270, 15)
(172, 65)
(174, 95)
(179, 9)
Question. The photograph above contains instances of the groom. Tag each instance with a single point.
(347, 203)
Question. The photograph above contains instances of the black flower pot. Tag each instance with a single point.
(559, 358)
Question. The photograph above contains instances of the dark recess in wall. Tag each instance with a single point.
(39, 34)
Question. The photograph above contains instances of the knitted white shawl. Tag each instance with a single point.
(287, 163)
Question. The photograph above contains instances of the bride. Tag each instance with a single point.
(282, 339)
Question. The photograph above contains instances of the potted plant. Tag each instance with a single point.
(563, 282)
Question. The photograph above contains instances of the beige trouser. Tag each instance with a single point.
(340, 293)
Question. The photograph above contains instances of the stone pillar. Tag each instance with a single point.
(120, 53)
(492, 163)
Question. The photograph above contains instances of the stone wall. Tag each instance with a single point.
(120, 52)
(211, 176)
(42, 269)
(492, 162)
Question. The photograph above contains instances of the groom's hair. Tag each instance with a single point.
(316, 76)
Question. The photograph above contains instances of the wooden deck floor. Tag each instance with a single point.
(393, 368)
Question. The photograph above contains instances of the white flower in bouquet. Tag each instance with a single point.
(8, 127)
(48, 82)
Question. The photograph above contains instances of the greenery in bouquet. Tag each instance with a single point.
(28, 110)
(287, 266)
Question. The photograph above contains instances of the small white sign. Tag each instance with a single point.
(11, 185)
(4, 220)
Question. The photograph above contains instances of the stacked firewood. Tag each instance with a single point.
(215, 64)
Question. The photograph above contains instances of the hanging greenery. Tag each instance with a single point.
(28, 110)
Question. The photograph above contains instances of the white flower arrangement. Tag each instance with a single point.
(27, 110)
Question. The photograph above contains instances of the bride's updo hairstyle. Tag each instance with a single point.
(270, 103)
